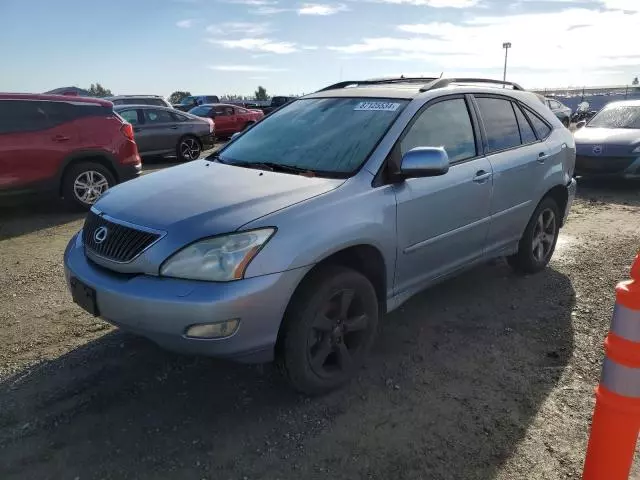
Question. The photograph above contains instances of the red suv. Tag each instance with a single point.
(76, 147)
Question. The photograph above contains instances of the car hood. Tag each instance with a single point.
(613, 136)
(205, 198)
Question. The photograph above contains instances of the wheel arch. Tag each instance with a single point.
(104, 158)
(560, 194)
(363, 258)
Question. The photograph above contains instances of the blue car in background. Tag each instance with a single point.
(609, 144)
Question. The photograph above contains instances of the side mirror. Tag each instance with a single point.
(424, 162)
(235, 135)
(581, 123)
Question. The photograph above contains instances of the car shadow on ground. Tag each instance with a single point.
(27, 215)
(455, 379)
(610, 190)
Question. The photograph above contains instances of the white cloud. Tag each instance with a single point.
(245, 68)
(626, 5)
(257, 45)
(321, 9)
(188, 23)
(308, 47)
(434, 3)
(254, 2)
(268, 10)
(477, 43)
(245, 28)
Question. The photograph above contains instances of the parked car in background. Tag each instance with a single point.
(609, 143)
(192, 101)
(292, 241)
(75, 147)
(229, 119)
(163, 131)
(276, 102)
(155, 100)
(560, 110)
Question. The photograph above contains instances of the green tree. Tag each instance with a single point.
(98, 90)
(261, 94)
(178, 96)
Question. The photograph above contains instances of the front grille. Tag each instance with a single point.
(587, 164)
(120, 243)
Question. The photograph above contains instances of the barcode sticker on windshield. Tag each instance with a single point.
(377, 106)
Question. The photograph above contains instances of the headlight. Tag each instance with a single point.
(636, 150)
(217, 259)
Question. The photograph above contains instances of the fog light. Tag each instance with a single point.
(214, 330)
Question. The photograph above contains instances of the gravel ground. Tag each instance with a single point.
(490, 375)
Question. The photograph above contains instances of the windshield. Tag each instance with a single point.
(201, 111)
(188, 100)
(323, 135)
(617, 117)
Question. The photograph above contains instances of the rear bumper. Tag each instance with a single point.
(128, 172)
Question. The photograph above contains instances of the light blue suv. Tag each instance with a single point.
(294, 240)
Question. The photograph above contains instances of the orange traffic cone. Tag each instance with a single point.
(616, 418)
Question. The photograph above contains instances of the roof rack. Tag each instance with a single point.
(377, 81)
(431, 84)
(445, 82)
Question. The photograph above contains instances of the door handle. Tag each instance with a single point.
(542, 157)
(481, 176)
(175, 127)
(60, 138)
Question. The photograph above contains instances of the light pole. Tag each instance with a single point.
(506, 46)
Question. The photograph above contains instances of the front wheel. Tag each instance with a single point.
(539, 239)
(188, 149)
(328, 329)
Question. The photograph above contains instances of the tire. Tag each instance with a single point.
(188, 149)
(84, 183)
(539, 239)
(320, 352)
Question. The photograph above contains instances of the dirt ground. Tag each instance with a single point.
(487, 376)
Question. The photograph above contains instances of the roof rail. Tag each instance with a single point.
(378, 81)
(445, 82)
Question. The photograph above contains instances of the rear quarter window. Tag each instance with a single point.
(542, 128)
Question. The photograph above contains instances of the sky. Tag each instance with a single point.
(289, 47)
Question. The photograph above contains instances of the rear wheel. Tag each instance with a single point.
(539, 239)
(85, 182)
(188, 149)
(328, 329)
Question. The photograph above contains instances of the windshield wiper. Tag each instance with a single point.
(274, 167)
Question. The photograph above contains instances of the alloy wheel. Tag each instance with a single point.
(338, 334)
(189, 149)
(89, 186)
(544, 235)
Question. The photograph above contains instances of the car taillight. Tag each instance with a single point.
(127, 131)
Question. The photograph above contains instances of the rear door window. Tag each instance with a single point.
(444, 124)
(23, 116)
(543, 130)
(499, 122)
(157, 116)
(527, 135)
(130, 116)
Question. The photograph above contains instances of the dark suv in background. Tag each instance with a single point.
(75, 147)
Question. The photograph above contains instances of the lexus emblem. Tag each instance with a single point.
(597, 149)
(100, 235)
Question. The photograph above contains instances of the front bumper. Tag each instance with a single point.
(597, 166)
(162, 309)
